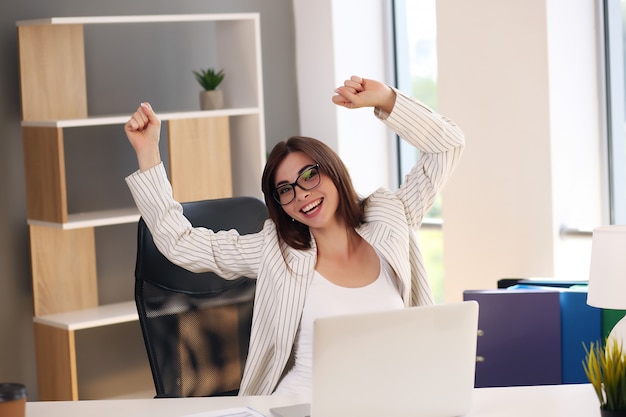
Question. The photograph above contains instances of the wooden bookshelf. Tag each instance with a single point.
(212, 154)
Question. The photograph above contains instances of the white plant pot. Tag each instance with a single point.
(211, 100)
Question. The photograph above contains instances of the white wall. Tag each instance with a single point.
(521, 79)
(578, 158)
(334, 40)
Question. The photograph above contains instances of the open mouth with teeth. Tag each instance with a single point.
(311, 207)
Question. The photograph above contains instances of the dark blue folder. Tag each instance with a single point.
(521, 337)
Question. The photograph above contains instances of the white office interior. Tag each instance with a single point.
(522, 79)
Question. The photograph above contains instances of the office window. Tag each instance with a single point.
(415, 27)
(614, 12)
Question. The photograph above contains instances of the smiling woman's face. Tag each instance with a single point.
(316, 207)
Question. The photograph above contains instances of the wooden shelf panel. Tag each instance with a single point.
(46, 192)
(200, 158)
(52, 72)
(92, 317)
(93, 219)
(122, 119)
(85, 20)
(63, 264)
(56, 363)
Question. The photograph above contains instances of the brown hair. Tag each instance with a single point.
(294, 233)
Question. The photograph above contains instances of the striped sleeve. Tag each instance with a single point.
(226, 253)
(440, 143)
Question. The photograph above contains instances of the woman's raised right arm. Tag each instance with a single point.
(194, 248)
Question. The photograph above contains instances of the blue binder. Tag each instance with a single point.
(581, 324)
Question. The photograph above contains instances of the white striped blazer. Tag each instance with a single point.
(391, 220)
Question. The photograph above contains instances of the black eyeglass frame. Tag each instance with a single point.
(293, 185)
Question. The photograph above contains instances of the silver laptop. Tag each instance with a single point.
(417, 361)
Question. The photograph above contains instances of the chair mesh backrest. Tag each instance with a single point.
(196, 327)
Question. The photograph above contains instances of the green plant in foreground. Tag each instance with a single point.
(209, 79)
(605, 367)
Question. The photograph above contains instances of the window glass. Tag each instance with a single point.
(416, 72)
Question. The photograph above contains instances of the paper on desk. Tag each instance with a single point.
(229, 412)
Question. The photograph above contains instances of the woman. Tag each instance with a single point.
(323, 251)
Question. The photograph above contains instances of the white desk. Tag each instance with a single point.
(550, 401)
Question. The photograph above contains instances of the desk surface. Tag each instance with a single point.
(537, 401)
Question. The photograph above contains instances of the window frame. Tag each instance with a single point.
(614, 88)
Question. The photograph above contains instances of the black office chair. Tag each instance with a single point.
(196, 327)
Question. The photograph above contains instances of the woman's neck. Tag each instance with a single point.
(346, 259)
(338, 241)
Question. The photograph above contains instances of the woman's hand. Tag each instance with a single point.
(143, 130)
(360, 92)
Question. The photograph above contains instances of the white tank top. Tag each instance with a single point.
(327, 299)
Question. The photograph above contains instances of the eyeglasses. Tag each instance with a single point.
(307, 180)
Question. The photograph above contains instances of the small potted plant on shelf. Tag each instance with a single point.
(605, 367)
(210, 98)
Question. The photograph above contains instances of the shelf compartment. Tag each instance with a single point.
(61, 71)
(56, 364)
(201, 145)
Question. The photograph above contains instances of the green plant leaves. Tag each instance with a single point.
(605, 367)
(209, 79)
